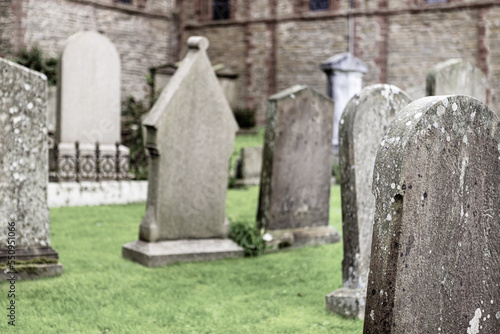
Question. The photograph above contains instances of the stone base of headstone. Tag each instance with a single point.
(246, 182)
(33, 271)
(156, 254)
(349, 303)
(31, 263)
(300, 237)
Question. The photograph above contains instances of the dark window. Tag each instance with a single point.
(125, 1)
(435, 1)
(222, 10)
(319, 4)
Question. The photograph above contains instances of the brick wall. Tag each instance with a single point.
(399, 40)
(140, 34)
(274, 44)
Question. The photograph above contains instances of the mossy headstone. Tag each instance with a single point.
(435, 251)
(296, 170)
(362, 126)
(24, 172)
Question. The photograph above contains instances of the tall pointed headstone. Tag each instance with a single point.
(435, 250)
(296, 169)
(25, 232)
(362, 126)
(190, 135)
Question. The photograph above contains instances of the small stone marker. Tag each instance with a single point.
(456, 76)
(435, 251)
(297, 165)
(24, 173)
(88, 108)
(249, 166)
(362, 126)
(190, 137)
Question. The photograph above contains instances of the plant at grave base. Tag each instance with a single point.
(247, 237)
(132, 135)
(35, 59)
(245, 117)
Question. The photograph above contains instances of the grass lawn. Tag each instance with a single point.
(100, 292)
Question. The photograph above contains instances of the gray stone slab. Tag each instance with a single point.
(363, 124)
(300, 237)
(349, 303)
(155, 254)
(249, 166)
(435, 249)
(456, 76)
(23, 163)
(297, 161)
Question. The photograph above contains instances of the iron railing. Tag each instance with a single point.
(88, 164)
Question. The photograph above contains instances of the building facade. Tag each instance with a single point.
(274, 44)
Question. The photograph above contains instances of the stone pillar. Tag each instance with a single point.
(24, 213)
(345, 78)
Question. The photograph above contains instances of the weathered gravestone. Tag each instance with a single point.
(456, 76)
(435, 250)
(296, 170)
(249, 166)
(88, 107)
(190, 137)
(362, 126)
(25, 232)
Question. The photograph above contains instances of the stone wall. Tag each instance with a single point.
(141, 34)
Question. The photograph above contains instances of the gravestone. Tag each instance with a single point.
(190, 135)
(24, 173)
(296, 171)
(435, 250)
(249, 166)
(345, 78)
(456, 76)
(362, 126)
(88, 106)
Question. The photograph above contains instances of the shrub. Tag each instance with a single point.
(247, 237)
(132, 135)
(35, 59)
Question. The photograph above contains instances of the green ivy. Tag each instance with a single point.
(247, 237)
(35, 59)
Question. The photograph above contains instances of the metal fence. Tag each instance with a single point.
(88, 164)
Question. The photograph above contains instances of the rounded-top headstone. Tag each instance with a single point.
(89, 90)
(435, 249)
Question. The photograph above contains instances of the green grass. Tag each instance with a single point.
(100, 292)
